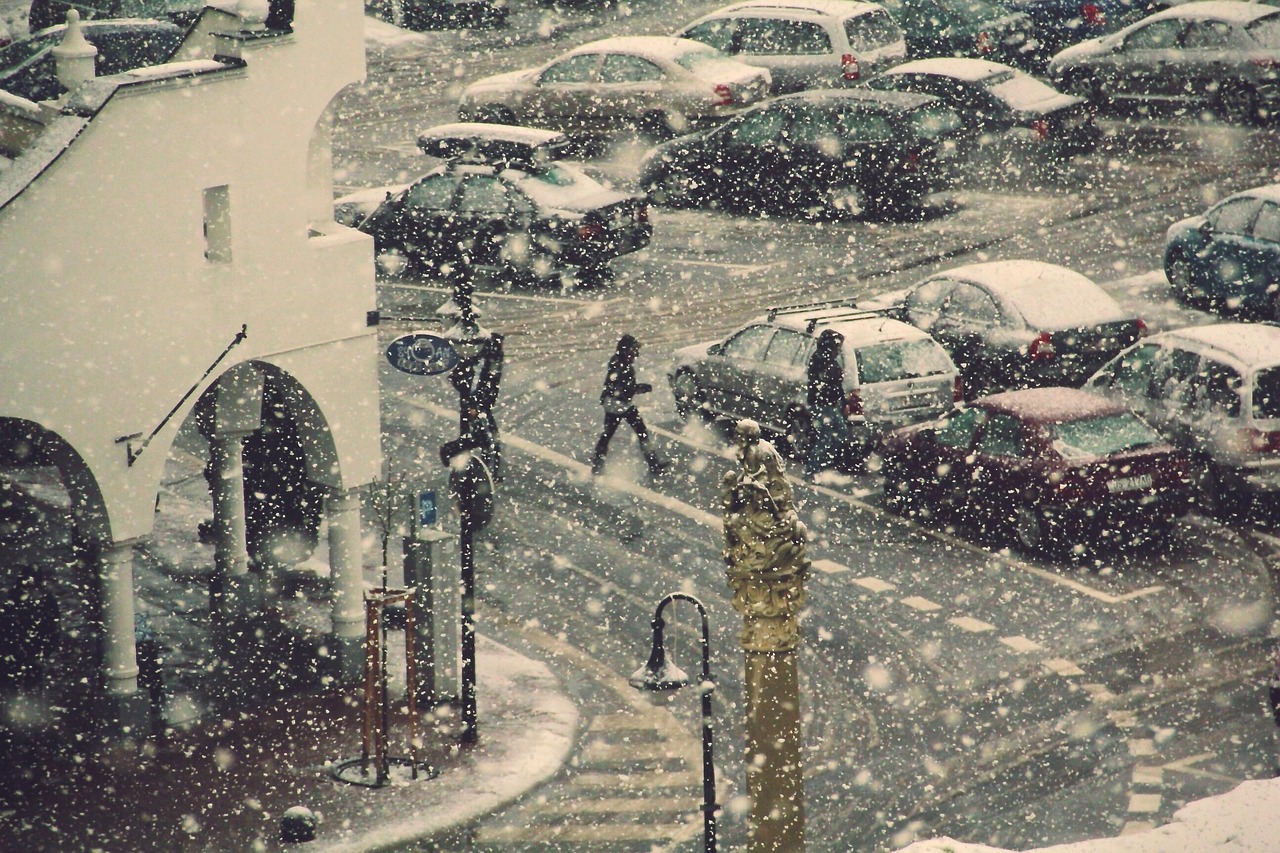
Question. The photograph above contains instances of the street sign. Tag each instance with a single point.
(422, 354)
(426, 509)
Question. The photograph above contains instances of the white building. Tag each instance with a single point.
(146, 221)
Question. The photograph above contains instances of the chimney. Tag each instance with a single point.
(74, 57)
(253, 14)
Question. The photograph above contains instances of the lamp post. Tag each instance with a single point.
(659, 676)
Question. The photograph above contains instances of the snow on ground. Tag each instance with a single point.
(1246, 820)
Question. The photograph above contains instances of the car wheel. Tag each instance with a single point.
(1238, 103)
(671, 188)
(1028, 528)
(655, 126)
(899, 491)
(1177, 269)
(688, 397)
(1083, 85)
(495, 114)
(799, 434)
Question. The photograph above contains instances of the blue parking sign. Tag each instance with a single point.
(426, 509)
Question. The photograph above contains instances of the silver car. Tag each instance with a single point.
(894, 374)
(1214, 391)
(806, 44)
(1221, 54)
(659, 85)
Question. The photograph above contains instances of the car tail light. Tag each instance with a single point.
(1252, 440)
(1141, 325)
(983, 43)
(849, 67)
(1041, 128)
(1041, 349)
(1093, 15)
(957, 390)
(591, 230)
(853, 405)
(912, 160)
(724, 95)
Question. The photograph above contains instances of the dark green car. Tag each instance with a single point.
(982, 29)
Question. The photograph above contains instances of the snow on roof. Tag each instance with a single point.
(1270, 192)
(22, 105)
(837, 8)
(174, 69)
(961, 68)
(503, 132)
(1255, 344)
(1053, 405)
(1235, 11)
(1047, 295)
(666, 47)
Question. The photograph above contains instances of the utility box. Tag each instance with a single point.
(431, 565)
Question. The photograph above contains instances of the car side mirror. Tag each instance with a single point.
(1206, 228)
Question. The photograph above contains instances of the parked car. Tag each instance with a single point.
(28, 70)
(658, 85)
(893, 374)
(1215, 392)
(1229, 257)
(1058, 24)
(1220, 54)
(1044, 467)
(979, 28)
(829, 152)
(502, 205)
(806, 44)
(50, 13)
(1014, 324)
(440, 14)
(1016, 119)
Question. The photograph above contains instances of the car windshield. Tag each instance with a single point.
(891, 360)
(1020, 91)
(1065, 302)
(698, 55)
(560, 185)
(1266, 393)
(1094, 437)
(1266, 32)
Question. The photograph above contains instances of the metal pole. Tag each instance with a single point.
(466, 533)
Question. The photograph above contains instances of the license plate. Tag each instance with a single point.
(1129, 484)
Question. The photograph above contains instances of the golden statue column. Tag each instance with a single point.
(766, 561)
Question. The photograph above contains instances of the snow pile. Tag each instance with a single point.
(1246, 820)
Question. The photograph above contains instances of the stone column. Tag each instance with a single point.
(232, 591)
(124, 710)
(766, 565)
(346, 578)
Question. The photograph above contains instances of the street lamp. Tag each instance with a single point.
(660, 677)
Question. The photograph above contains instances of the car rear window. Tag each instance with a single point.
(767, 36)
(1266, 393)
(934, 120)
(870, 31)
(1266, 32)
(1093, 437)
(893, 360)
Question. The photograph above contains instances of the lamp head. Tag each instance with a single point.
(658, 678)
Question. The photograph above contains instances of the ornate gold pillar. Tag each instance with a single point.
(766, 565)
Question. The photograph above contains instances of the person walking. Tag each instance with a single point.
(618, 400)
(828, 429)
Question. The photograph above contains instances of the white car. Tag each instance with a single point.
(1215, 391)
(805, 44)
(659, 85)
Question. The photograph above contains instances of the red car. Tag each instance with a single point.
(1043, 466)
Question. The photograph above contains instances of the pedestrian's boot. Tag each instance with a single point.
(597, 457)
(656, 463)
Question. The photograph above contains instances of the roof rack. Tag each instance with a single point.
(833, 310)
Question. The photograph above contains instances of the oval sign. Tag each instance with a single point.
(422, 354)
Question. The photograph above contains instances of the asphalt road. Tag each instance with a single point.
(950, 686)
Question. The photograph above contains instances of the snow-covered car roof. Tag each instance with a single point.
(1253, 344)
(835, 8)
(669, 48)
(1235, 11)
(495, 143)
(1018, 89)
(1052, 405)
(959, 67)
(1270, 192)
(858, 329)
(1047, 295)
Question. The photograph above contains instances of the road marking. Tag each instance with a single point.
(924, 605)
(1063, 667)
(829, 567)
(716, 523)
(1148, 776)
(968, 623)
(1183, 765)
(1021, 644)
(1098, 693)
(736, 270)
(1144, 803)
(1133, 827)
(1142, 746)
(484, 295)
(874, 584)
